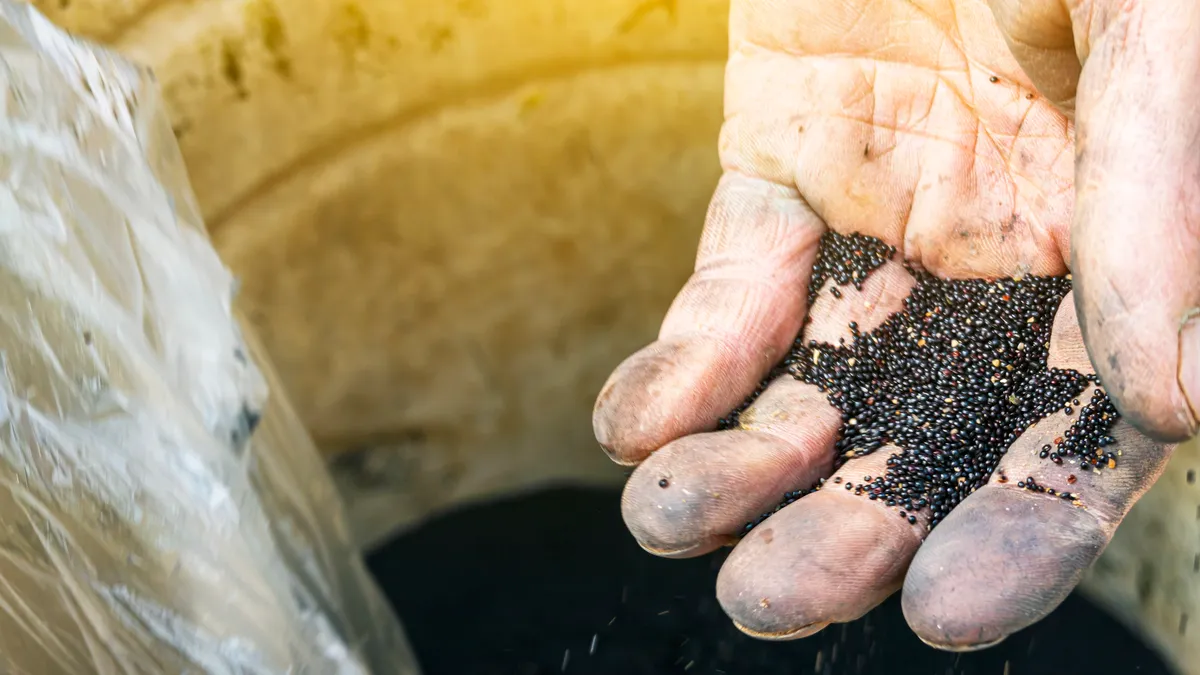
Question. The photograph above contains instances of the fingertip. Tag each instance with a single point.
(1160, 412)
(1145, 412)
(828, 558)
(697, 493)
(1000, 562)
(667, 390)
(1145, 356)
(671, 506)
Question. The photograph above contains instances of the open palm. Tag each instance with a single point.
(913, 122)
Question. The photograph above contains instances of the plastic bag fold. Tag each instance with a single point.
(162, 509)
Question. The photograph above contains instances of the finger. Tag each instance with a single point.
(1136, 249)
(828, 558)
(1014, 550)
(697, 493)
(734, 319)
(1040, 36)
(835, 554)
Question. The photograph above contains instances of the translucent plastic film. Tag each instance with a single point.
(149, 523)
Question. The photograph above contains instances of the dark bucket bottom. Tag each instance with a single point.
(552, 583)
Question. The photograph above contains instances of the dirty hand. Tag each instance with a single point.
(971, 138)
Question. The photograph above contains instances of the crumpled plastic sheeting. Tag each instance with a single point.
(146, 526)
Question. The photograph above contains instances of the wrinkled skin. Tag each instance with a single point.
(982, 141)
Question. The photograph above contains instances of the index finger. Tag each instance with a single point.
(731, 323)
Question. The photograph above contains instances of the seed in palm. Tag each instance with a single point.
(952, 381)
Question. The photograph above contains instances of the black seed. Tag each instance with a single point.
(663, 482)
(952, 380)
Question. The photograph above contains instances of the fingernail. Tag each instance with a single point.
(1189, 368)
(801, 632)
(605, 429)
(962, 649)
(692, 551)
(668, 552)
(601, 419)
(641, 406)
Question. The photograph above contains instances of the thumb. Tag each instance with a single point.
(1136, 235)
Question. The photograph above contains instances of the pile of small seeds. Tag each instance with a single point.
(952, 381)
(847, 260)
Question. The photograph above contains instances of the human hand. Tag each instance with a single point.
(914, 123)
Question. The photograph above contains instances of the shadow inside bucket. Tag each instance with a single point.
(551, 582)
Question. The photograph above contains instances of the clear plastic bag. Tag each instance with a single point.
(146, 525)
